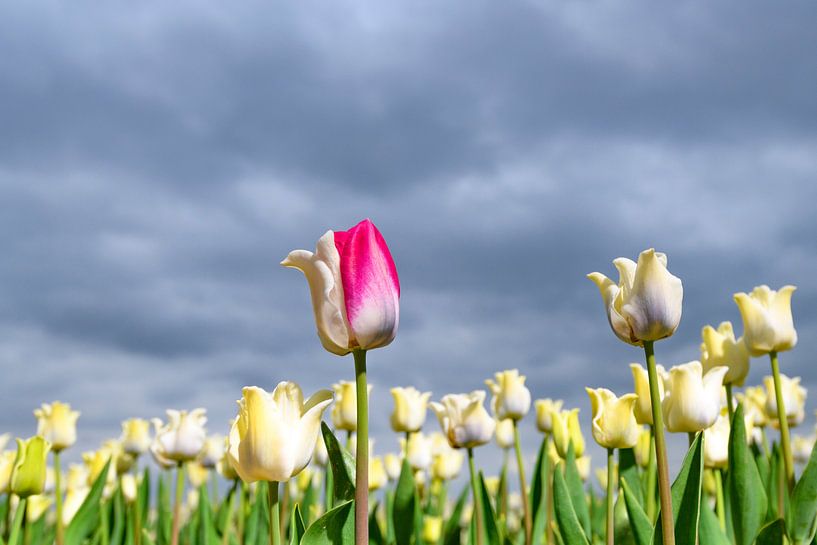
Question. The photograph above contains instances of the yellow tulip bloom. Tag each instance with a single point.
(768, 325)
(614, 424)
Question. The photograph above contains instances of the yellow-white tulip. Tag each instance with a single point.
(432, 529)
(57, 423)
(344, 411)
(213, 451)
(36, 507)
(4, 440)
(95, 464)
(801, 448)
(135, 436)
(614, 424)
(504, 433)
(768, 325)
(642, 448)
(393, 465)
(130, 487)
(693, 400)
(719, 347)
(121, 461)
(754, 403)
(29, 471)
(511, 396)
(197, 474)
(543, 409)
(447, 462)
(794, 400)
(601, 475)
(641, 381)
(6, 465)
(464, 420)
(645, 305)
(321, 455)
(76, 484)
(274, 435)
(583, 467)
(377, 474)
(716, 443)
(418, 450)
(182, 438)
(410, 408)
(566, 430)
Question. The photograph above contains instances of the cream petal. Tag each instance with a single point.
(653, 307)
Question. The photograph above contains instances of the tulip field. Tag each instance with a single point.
(299, 470)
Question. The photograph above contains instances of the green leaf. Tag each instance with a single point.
(628, 470)
(143, 497)
(710, 530)
(375, 532)
(405, 506)
(575, 487)
(489, 517)
(772, 534)
(87, 518)
(623, 533)
(570, 528)
(207, 534)
(745, 487)
(343, 466)
(335, 527)
(686, 497)
(538, 494)
(296, 526)
(164, 516)
(803, 513)
(452, 530)
(639, 522)
(118, 529)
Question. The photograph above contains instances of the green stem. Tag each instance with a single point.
(520, 464)
(362, 457)
(242, 510)
(19, 515)
(502, 508)
(784, 423)
(104, 523)
(477, 495)
(58, 495)
(549, 537)
(137, 521)
(651, 477)
(729, 403)
(177, 506)
(228, 524)
(765, 440)
(611, 488)
(274, 514)
(664, 493)
(720, 506)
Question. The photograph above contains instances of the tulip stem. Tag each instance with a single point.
(665, 498)
(721, 507)
(520, 464)
(362, 453)
(611, 487)
(477, 495)
(651, 477)
(19, 514)
(784, 423)
(242, 509)
(228, 524)
(58, 496)
(729, 402)
(274, 514)
(104, 523)
(177, 506)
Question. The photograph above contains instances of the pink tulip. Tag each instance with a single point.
(354, 287)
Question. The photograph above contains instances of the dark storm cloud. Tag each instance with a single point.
(156, 164)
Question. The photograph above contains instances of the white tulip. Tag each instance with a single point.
(768, 325)
(464, 420)
(511, 397)
(182, 438)
(693, 400)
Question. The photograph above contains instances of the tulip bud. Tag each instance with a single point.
(275, 434)
(226, 470)
(447, 462)
(182, 438)
(614, 424)
(504, 433)
(57, 424)
(354, 287)
(511, 397)
(719, 347)
(213, 451)
(464, 420)
(768, 325)
(320, 456)
(36, 507)
(344, 411)
(642, 448)
(28, 474)
(377, 473)
(801, 448)
(6, 465)
(566, 430)
(129, 487)
(432, 529)
(693, 400)
(410, 408)
(393, 465)
(418, 451)
(641, 380)
(716, 443)
(196, 473)
(645, 305)
(794, 400)
(754, 403)
(543, 409)
(135, 436)
(95, 464)
(583, 467)
(601, 475)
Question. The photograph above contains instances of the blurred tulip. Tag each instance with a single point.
(28, 474)
(504, 433)
(129, 487)
(320, 455)
(4, 440)
(344, 411)
(95, 464)
(57, 424)
(377, 473)
(447, 462)
(410, 407)
(275, 433)
(432, 529)
(645, 305)
(543, 409)
(614, 424)
(511, 399)
(642, 448)
(37, 506)
(197, 474)
(354, 287)
(719, 348)
(601, 475)
(641, 381)
(583, 467)
(135, 436)
(213, 451)
(716, 443)
(464, 420)
(692, 401)
(6, 465)
(754, 403)
(794, 400)
(418, 451)
(801, 448)
(182, 438)
(566, 430)
(768, 325)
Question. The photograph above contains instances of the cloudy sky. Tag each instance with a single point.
(158, 160)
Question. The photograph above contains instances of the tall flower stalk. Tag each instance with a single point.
(362, 451)
(664, 492)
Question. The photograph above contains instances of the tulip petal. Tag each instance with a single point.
(653, 308)
(370, 285)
